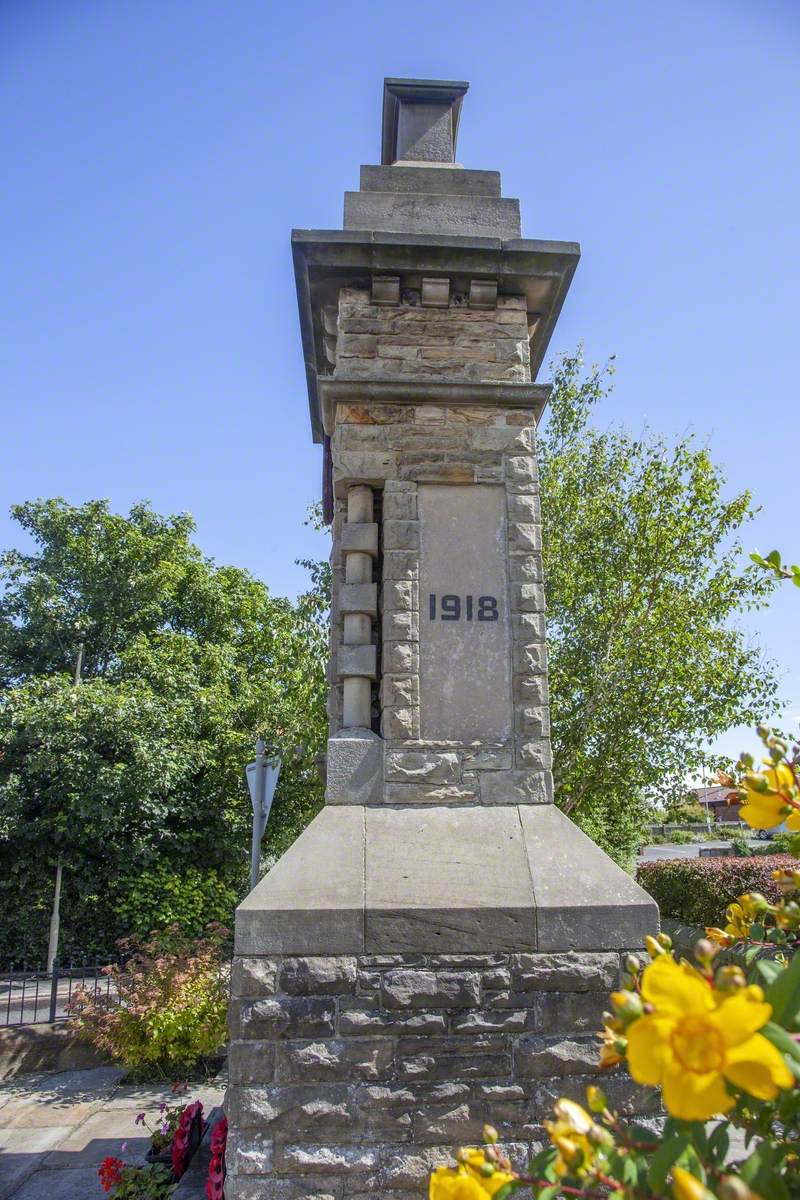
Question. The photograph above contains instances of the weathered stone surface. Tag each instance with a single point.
(565, 972)
(360, 1022)
(248, 1152)
(482, 1057)
(251, 1061)
(354, 772)
(545, 1058)
(313, 976)
(429, 989)
(337, 1059)
(312, 1160)
(283, 1016)
(253, 976)
(413, 766)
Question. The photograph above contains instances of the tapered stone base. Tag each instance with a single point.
(354, 1075)
(402, 977)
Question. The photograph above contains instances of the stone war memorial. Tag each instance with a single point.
(436, 949)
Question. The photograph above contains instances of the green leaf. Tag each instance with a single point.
(664, 1158)
(774, 558)
(784, 992)
(769, 970)
(719, 1142)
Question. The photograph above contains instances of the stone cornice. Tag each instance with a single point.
(327, 260)
(428, 391)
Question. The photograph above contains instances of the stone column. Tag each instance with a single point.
(358, 606)
(436, 949)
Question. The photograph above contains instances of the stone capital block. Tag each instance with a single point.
(359, 537)
(358, 598)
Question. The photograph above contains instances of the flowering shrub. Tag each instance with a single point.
(720, 1043)
(170, 1006)
(216, 1168)
(698, 890)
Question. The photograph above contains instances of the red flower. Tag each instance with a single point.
(216, 1168)
(110, 1172)
(180, 1143)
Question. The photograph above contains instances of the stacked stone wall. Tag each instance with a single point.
(410, 340)
(356, 1075)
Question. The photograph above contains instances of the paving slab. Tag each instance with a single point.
(99, 1135)
(23, 1153)
(36, 1114)
(81, 1184)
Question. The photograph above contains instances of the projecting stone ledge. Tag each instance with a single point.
(450, 880)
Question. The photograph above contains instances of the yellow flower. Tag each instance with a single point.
(738, 921)
(764, 809)
(686, 1186)
(719, 936)
(569, 1133)
(695, 1039)
(612, 1051)
(467, 1181)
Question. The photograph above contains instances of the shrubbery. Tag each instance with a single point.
(698, 890)
(168, 1005)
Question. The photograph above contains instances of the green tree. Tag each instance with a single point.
(139, 770)
(644, 578)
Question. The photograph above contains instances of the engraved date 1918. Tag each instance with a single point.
(454, 608)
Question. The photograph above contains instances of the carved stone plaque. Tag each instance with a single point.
(465, 628)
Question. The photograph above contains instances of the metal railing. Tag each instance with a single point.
(29, 996)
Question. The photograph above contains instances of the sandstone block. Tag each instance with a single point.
(547, 1058)
(318, 975)
(428, 1060)
(488, 760)
(325, 1160)
(400, 564)
(429, 989)
(253, 976)
(401, 658)
(525, 568)
(361, 537)
(337, 1060)
(400, 724)
(430, 793)
(284, 1016)
(357, 1021)
(420, 766)
(400, 506)
(251, 1062)
(508, 1021)
(516, 787)
(521, 468)
(248, 1152)
(400, 595)
(401, 626)
(583, 972)
(398, 691)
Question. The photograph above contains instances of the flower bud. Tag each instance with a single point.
(490, 1134)
(632, 964)
(665, 940)
(705, 950)
(729, 979)
(654, 948)
(628, 1005)
(733, 1188)
(686, 1186)
(754, 903)
(462, 1154)
(598, 1136)
(596, 1099)
(487, 1170)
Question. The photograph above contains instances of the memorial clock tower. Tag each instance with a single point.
(436, 948)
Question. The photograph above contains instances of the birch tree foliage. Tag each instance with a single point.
(645, 579)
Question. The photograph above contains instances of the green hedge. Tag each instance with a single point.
(698, 890)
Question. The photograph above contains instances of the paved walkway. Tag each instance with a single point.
(56, 1129)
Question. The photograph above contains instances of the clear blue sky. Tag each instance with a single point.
(156, 153)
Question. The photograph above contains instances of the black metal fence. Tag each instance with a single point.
(29, 996)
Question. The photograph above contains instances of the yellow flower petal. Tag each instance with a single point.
(496, 1181)
(793, 822)
(762, 812)
(691, 1096)
(447, 1184)
(686, 1186)
(675, 988)
(740, 1015)
(649, 1047)
(758, 1067)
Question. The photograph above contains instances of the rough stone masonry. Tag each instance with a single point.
(437, 947)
